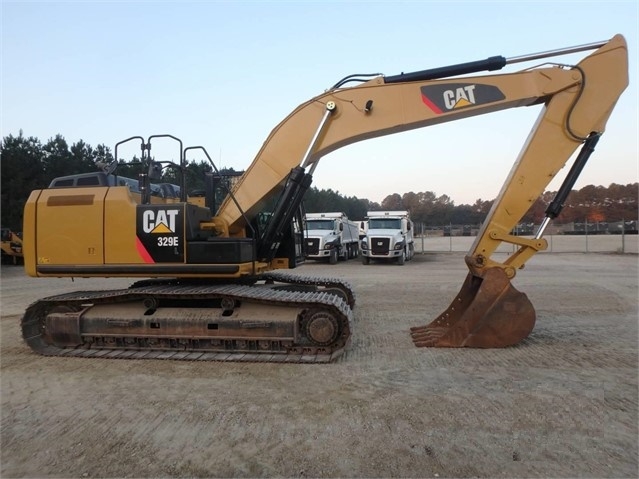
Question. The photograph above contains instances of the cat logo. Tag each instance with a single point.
(448, 97)
(460, 97)
(159, 233)
(159, 221)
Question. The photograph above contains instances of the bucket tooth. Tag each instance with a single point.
(488, 312)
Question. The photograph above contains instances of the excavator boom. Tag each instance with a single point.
(387, 105)
(213, 293)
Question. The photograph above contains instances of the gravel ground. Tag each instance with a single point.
(561, 404)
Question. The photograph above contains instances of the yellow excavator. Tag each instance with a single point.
(11, 247)
(211, 287)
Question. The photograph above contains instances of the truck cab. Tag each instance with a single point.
(389, 236)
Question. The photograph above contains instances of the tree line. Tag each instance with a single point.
(591, 204)
(28, 164)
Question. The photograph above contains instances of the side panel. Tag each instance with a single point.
(119, 228)
(70, 226)
(29, 233)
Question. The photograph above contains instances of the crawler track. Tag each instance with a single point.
(287, 318)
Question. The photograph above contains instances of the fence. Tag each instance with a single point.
(569, 238)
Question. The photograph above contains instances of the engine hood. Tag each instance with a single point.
(328, 235)
(385, 233)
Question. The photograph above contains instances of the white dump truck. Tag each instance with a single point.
(389, 236)
(330, 236)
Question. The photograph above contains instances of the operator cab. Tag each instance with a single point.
(96, 178)
(99, 178)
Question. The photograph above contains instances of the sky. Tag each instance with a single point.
(224, 74)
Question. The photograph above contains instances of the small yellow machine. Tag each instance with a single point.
(11, 247)
(213, 290)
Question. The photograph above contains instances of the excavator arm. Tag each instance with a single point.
(577, 102)
(382, 106)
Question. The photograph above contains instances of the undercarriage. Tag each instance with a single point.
(280, 318)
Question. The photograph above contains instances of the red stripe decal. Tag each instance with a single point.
(144, 254)
(431, 105)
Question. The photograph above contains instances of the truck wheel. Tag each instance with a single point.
(332, 259)
(355, 251)
(366, 260)
(402, 258)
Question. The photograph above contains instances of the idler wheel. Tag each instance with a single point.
(322, 328)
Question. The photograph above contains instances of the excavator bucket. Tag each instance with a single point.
(487, 312)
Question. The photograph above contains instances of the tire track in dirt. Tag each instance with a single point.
(562, 404)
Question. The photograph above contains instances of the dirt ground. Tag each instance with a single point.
(561, 404)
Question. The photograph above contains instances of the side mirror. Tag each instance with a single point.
(108, 168)
(341, 226)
